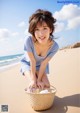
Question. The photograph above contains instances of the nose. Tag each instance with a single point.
(41, 32)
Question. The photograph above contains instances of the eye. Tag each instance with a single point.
(45, 28)
(36, 29)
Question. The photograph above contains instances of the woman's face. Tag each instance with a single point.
(42, 33)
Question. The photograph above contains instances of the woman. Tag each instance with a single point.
(39, 48)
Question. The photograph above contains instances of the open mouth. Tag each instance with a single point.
(41, 38)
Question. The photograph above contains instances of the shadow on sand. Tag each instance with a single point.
(60, 105)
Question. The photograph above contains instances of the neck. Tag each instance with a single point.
(43, 44)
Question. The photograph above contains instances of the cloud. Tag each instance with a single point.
(22, 24)
(73, 23)
(15, 34)
(69, 14)
(26, 32)
(6, 33)
(59, 26)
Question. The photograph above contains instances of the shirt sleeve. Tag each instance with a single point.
(27, 44)
(53, 50)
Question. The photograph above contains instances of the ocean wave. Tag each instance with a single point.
(9, 60)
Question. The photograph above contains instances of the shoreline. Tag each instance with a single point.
(6, 67)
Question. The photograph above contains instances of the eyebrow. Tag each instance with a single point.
(43, 26)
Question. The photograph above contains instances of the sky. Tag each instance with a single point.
(14, 17)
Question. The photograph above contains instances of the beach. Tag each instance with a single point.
(64, 75)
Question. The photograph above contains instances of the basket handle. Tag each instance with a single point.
(53, 87)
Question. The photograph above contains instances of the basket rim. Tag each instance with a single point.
(53, 88)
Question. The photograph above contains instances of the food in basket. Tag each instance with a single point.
(44, 91)
(38, 91)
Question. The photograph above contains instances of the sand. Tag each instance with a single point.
(64, 75)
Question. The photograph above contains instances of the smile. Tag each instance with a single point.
(42, 38)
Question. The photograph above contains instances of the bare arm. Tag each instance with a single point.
(45, 62)
(43, 67)
(33, 66)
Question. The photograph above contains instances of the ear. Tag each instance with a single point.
(50, 30)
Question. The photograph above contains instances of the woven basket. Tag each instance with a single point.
(41, 101)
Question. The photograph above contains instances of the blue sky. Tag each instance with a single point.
(14, 16)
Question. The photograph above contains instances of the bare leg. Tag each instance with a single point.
(45, 80)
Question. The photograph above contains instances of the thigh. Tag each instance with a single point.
(27, 75)
(45, 77)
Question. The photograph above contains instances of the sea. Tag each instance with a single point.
(8, 61)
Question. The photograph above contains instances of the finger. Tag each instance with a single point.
(29, 86)
(35, 86)
(43, 86)
(39, 86)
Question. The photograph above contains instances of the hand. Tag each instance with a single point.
(40, 84)
(33, 84)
